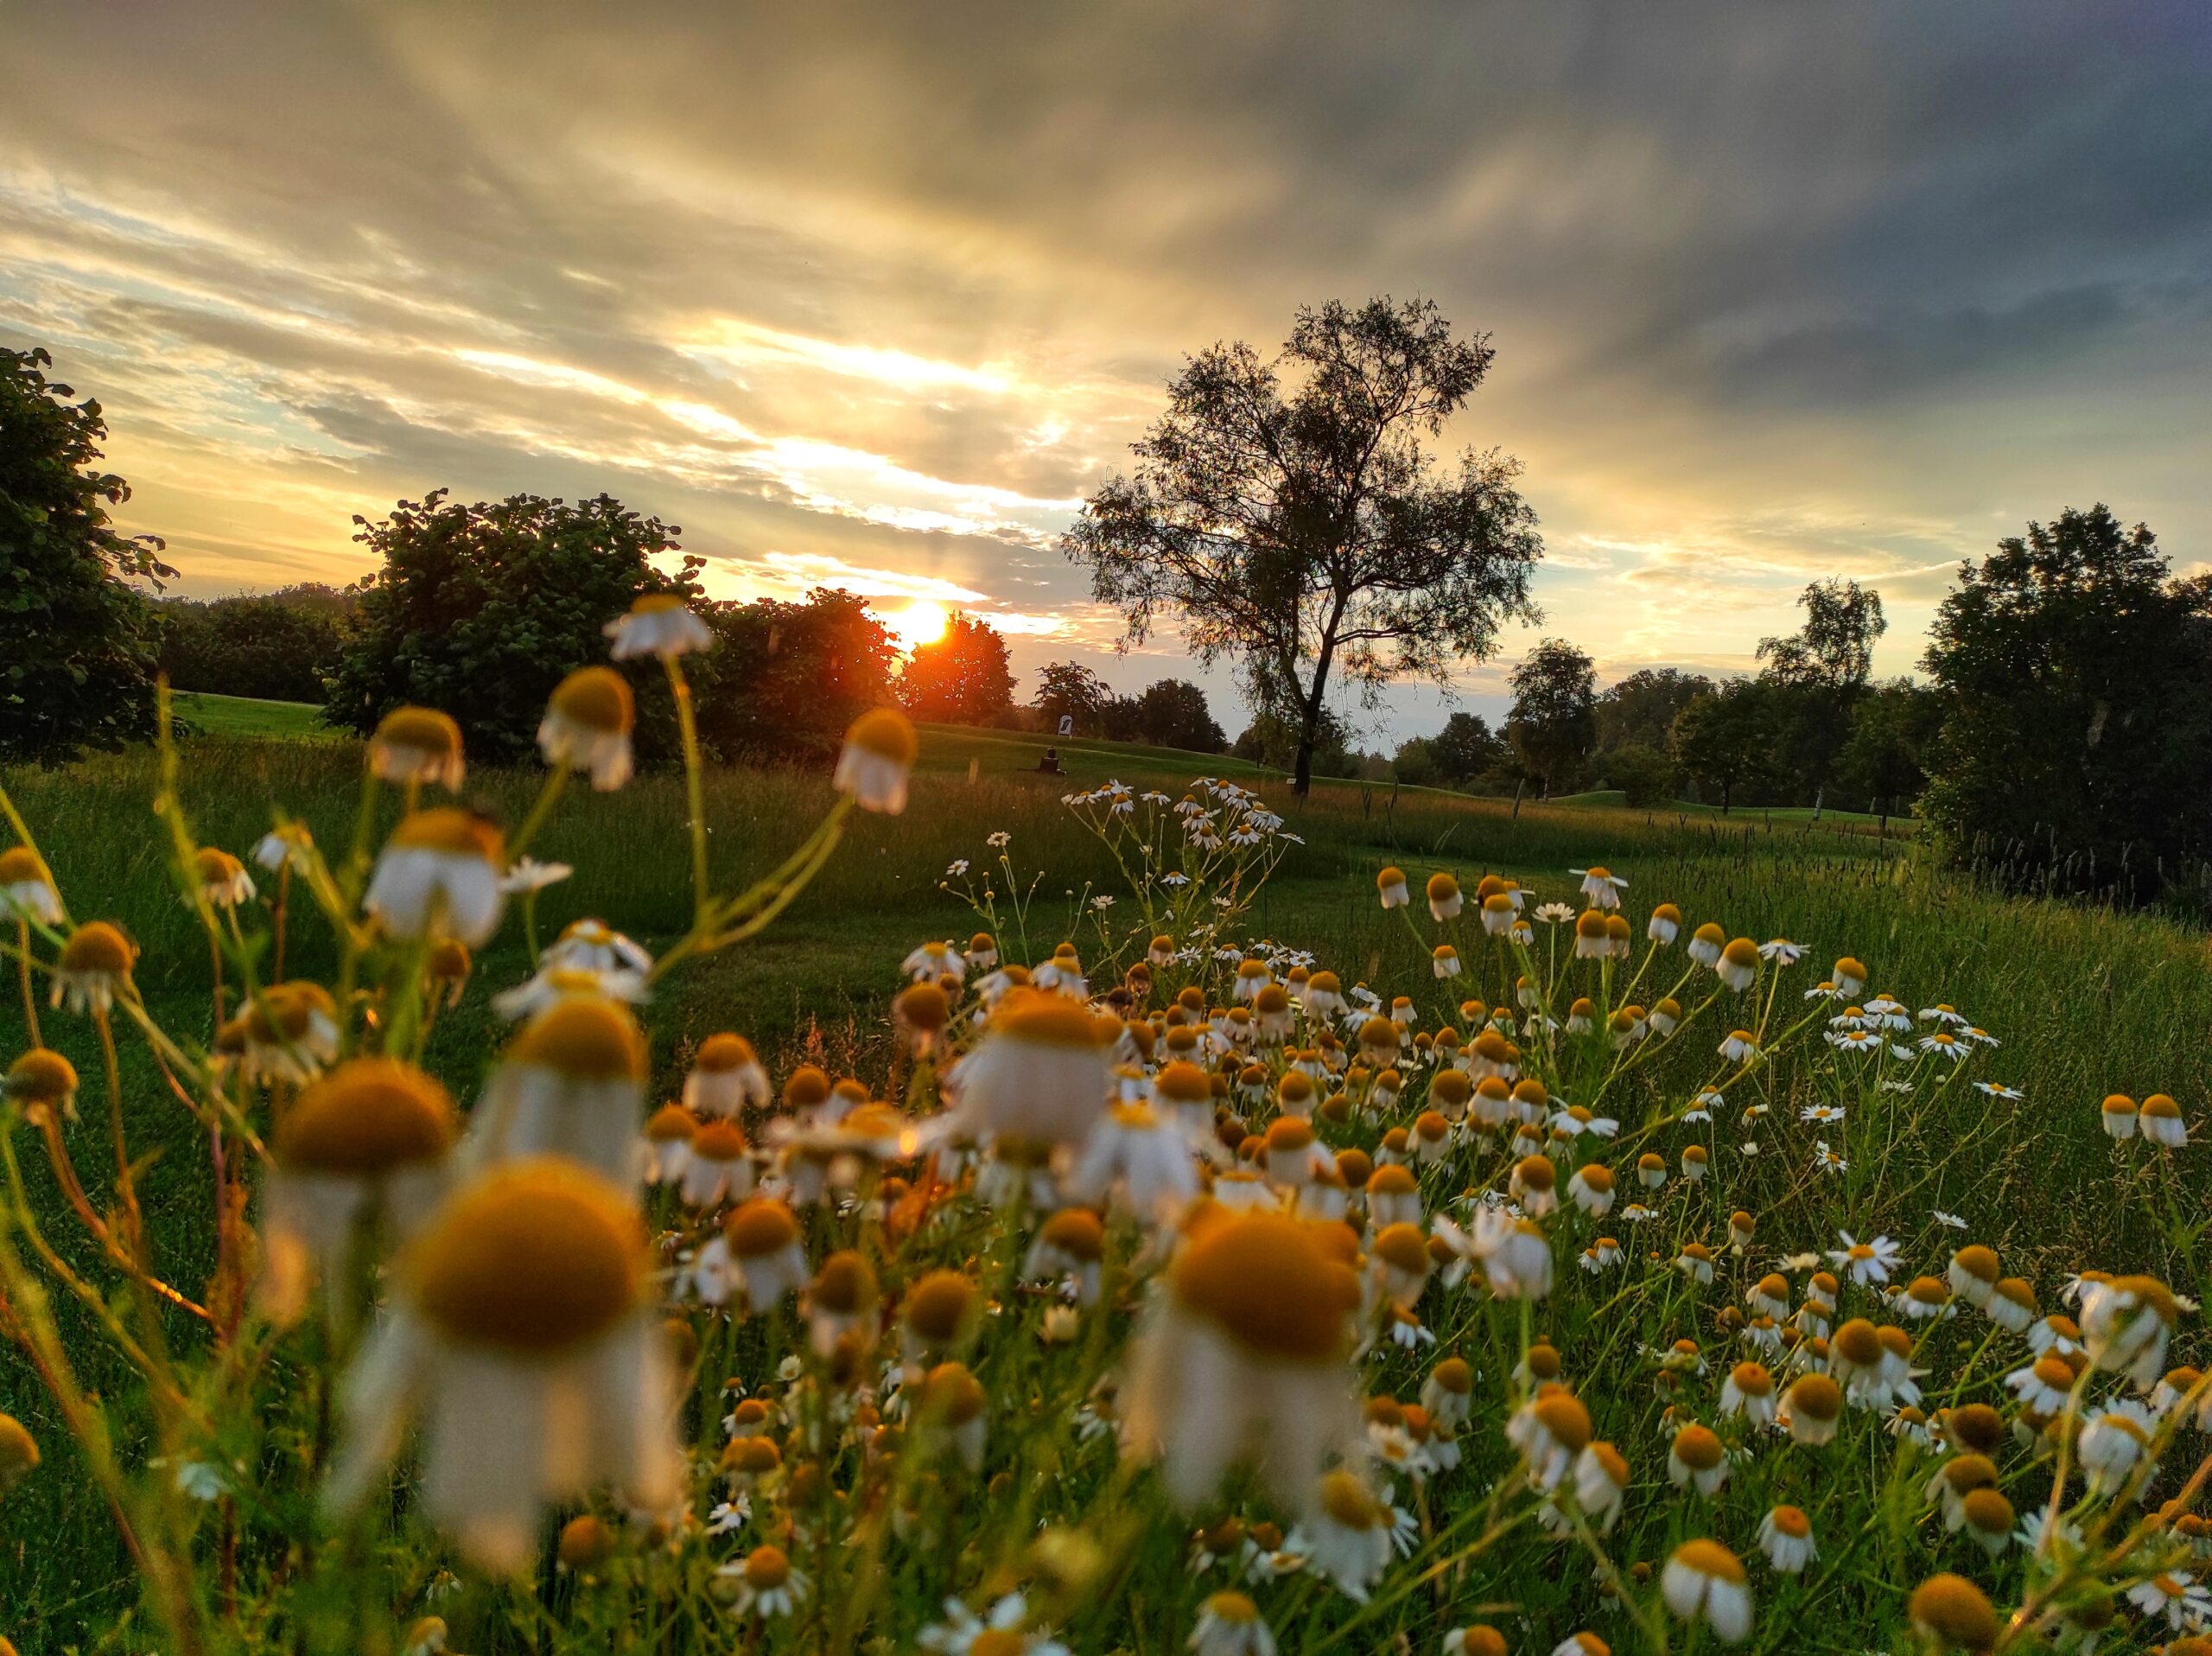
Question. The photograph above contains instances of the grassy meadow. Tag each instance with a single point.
(2086, 1002)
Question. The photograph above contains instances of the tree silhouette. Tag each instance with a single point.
(1288, 515)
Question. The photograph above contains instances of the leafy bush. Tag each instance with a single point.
(2076, 745)
(785, 679)
(479, 610)
(1644, 775)
(285, 645)
(960, 679)
(76, 644)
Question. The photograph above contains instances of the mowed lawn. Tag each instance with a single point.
(2087, 1002)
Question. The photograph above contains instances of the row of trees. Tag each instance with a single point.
(1287, 516)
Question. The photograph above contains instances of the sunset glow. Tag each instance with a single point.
(918, 623)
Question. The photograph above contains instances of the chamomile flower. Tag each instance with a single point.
(587, 725)
(522, 1325)
(94, 967)
(1786, 1538)
(415, 745)
(1241, 1355)
(659, 623)
(876, 761)
(27, 889)
(440, 870)
(1705, 1581)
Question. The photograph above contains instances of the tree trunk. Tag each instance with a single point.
(1726, 791)
(1301, 776)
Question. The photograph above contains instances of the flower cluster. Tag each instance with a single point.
(1147, 1285)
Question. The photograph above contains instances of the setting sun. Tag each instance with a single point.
(920, 622)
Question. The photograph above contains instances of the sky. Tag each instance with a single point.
(872, 296)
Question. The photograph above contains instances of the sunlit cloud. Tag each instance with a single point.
(734, 342)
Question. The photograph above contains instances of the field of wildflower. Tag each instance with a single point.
(926, 1212)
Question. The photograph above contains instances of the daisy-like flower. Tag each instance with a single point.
(1229, 1624)
(757, 1255)
(1997, 1090)
(2160, 1122)
(1592, 941)
(659, 623)
(1042, 1070)
(1737, 965)
(2174, 1597)
(726, 1075)
(287, 1032)
(1241, 1355)
(1811, 1410)
(1446, 900)
(27, 889)
(523, 1324)
(1602, 888)
(718, 1166)
(1786, 1538)
(1849, 976)
(2126, 1323)
(42, 1079)
(417, 745)
(529, 875)
(1697, 1459)
(877, 760)
(1481, 1640)
(593, 946)
(930, 961)
(221, 878)
(1705, 1581)
(1140, 1163)
(1002, 1633)
(571, 1084)
(1825, 1160)
(1739, 1047)
(587, 723)
(370, 1136)
(1865, 1262)
(440, 868)
(1781, 952)
(1390, 887)
(1345, 1535)
(1550, 1431)
(94, 968)
(1444, 960)
(768, 1584)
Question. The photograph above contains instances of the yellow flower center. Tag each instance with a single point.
(455, 831)
(585, 1038)
(536, 1257)
(1267, 1282)
(97, 946)
(888, 733)
(367, 1115)
(597, 698)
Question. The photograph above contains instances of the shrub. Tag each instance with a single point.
(285, 645)
(76, 644)
(479, 610)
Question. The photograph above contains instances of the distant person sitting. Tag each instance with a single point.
(1050, 764)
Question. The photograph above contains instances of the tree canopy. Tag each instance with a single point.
(286, 645)
(785, 680)
(76, 643)
(1070, 690)
(481, 610)
(1288, 514)
(2076, 749)
(961, 677)
(1552, 724)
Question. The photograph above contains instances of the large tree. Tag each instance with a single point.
(1289, 516)
(961, 677)
(1468, 747)
(76, 643)
(1552, 724)
(481, 610)
(1174, 713)
(2076, 746)
(785, 680)
(1893, 732)
(1816, 676)
(1069, 690)
(1640, 709)
(1725, 740)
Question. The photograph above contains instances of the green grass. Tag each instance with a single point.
(2087, 1002)
(246, 716)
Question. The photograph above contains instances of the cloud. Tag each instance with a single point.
(1778, 293)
